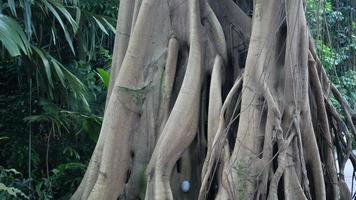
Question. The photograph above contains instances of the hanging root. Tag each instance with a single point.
(109, 168)
(327, 151)
(182, 123)
(342, 137)
(343, 143)
(215, 104)
(122, 37)
(168, 80)
(269, 136)
(219, 142)
(349, 113)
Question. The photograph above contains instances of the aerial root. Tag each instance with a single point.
(167, 85)
(327, 85)
(217, 34)
(342, 131)
(168, 80)
(122, 38)
(92, 171)
(301, 160)
(283, 144)
(327, 151)
(341, 138)
(182, 123)
(177, 127)
(345, 106)
(343, 144)
(215, 103)
(219, 142)
(272, 130)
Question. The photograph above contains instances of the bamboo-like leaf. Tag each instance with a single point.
(58, 70)
(111, 27)
(53, 31)
(77, 87)
(60, 21)
(66, 14)
(78, 15)
(28, 18)
(12, 7)
(13, 37)
(9, 45)
(46, 65)
(101, 26)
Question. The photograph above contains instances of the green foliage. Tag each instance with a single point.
(11, 183)
(347, 86)
(104, 76)
(91, 126)
(14, 186)
(12, 36)
(54, 57)
(334, 30)
(16, 193)
(328, 56)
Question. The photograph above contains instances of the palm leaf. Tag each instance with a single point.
(54, 12)
(13, 37)
(55, 70)
(46, 64)
(101, 26)
(58, 69)
(66, 14)
(28, 18)
(12, 6)
(111, 27)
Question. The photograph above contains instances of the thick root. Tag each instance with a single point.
(182, 123)
(172, 102)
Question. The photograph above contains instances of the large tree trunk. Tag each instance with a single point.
(200, 93)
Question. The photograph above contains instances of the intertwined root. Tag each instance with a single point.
(180, 108)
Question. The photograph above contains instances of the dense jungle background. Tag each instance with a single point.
(55, 58)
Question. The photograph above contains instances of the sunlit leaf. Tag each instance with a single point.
(104, 76)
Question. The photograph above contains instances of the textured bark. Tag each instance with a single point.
(237, 106)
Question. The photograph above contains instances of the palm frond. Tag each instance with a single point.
(28, 18)
(12, 6)
(52, 7)
(56, 72)
(13, 37)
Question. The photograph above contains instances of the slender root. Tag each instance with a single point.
(218, 143)
(168, 80)
(215, 104)
(181, 126)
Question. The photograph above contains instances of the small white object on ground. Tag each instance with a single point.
(185, 186)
